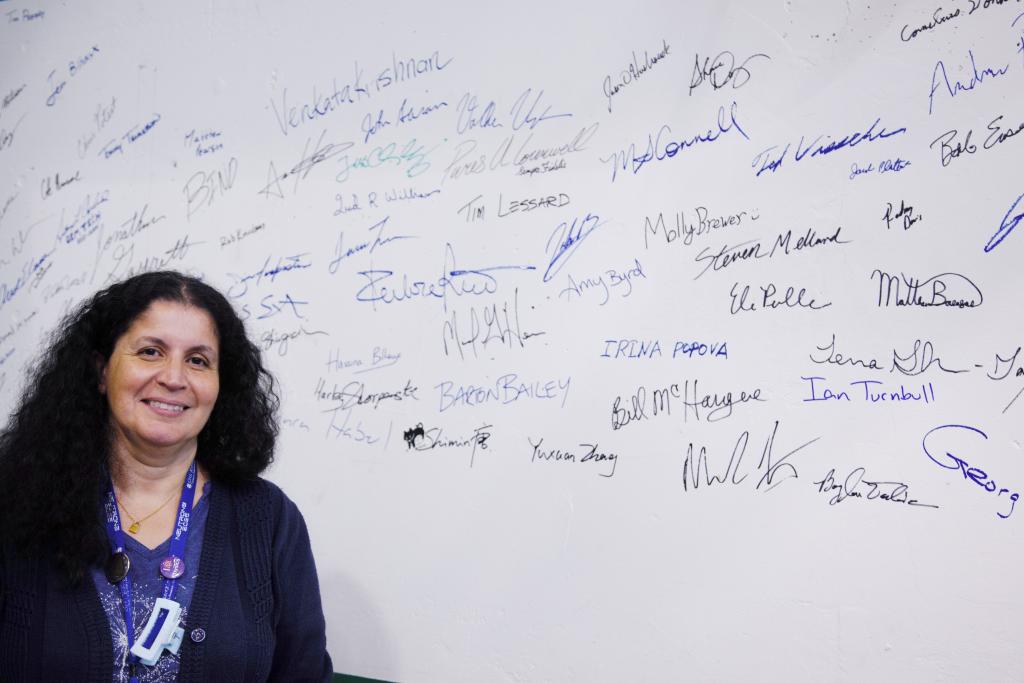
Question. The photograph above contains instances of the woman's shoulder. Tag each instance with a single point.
(256, 486)
(254, 496)
(266, 519)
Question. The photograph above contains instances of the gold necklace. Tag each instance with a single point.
(136, 523)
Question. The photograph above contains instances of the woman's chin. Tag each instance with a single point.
(162, 441)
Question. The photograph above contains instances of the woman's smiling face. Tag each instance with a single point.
(162, 380)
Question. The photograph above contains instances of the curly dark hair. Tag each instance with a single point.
(54, 452)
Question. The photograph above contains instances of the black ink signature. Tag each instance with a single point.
(856, 486)
(722, 70)
(774, 471)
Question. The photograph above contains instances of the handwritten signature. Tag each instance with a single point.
(975, 474)
(856, 486)
(1008, 224)
(566, 239)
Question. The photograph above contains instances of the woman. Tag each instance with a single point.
(150, 395)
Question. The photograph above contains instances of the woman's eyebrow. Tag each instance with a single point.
(160, 342)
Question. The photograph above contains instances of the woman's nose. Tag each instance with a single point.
(172, 374)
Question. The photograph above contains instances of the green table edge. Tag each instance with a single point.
(345, 678)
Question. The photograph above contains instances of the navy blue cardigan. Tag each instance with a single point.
(255, 614)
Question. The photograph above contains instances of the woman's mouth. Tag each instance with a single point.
(165, 408)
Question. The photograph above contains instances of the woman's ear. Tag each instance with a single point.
(101, 370)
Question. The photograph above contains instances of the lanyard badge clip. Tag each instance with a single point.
(162, 632)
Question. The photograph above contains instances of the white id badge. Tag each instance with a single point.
(162, 632)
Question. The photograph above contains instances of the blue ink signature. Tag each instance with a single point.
(764, 160)
(977, 78)
(1007, 226)
(33, 267)
(978, 476)
(467, 118)
(569, 238)
(272, 305)
(656, 152)
(379, 240)
(1020, 45)
(458, 281)
(283, 265)
(524, 116)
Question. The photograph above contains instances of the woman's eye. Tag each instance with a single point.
(149, 352)
(200, 361)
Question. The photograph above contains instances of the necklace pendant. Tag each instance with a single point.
(134, 528)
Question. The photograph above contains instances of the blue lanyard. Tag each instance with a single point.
(176, 551)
